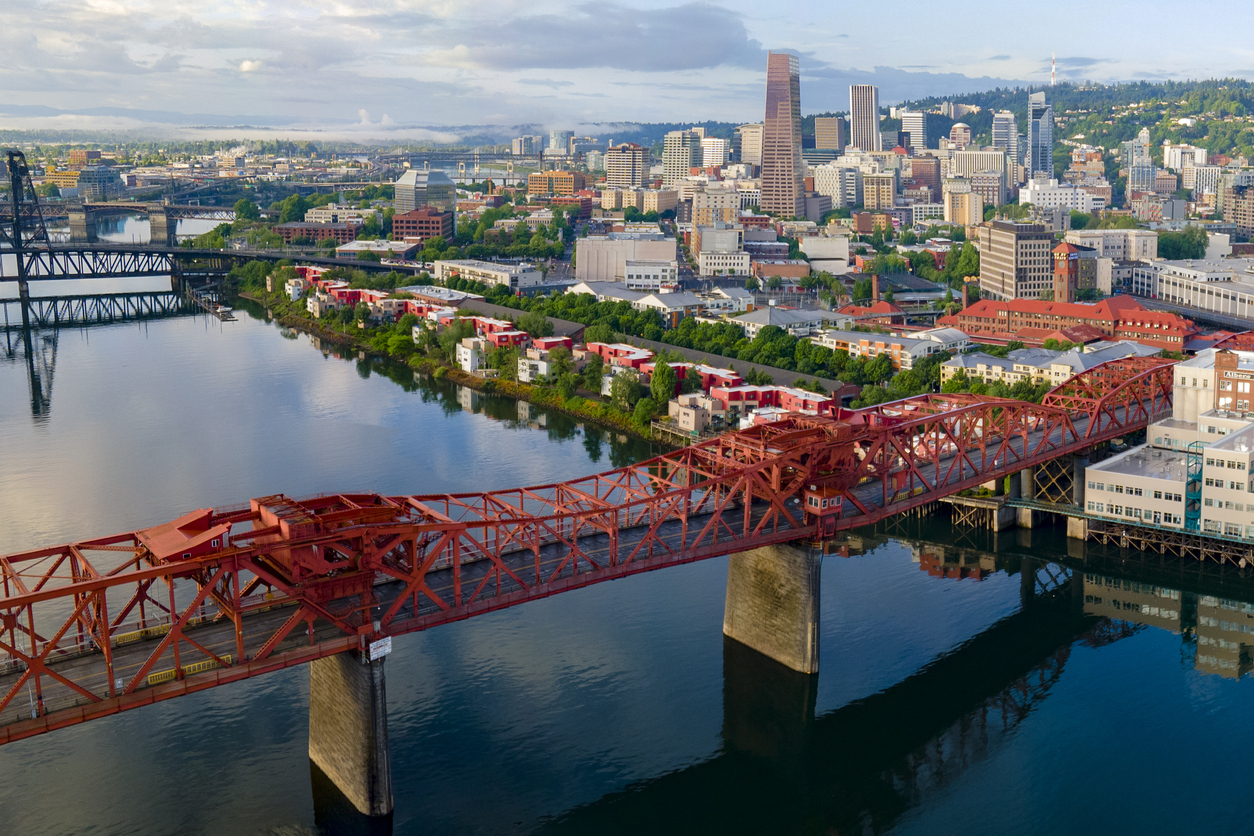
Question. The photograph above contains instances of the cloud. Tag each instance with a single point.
(896, 84)
(1079, 62)
(1000, 58)
(594, 36)
(545, 82)
(249, 66)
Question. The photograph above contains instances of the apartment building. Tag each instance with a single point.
(513, 276)
(626, 166)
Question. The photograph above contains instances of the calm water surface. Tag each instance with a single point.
(944, 705)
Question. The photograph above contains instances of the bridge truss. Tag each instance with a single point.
(95, 627)
(58, 311)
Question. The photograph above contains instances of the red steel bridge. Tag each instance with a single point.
(96, 627)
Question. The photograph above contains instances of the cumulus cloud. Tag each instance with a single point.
(249, 66)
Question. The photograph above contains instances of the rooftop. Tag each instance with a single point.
(1146, 462)
(1241, 441)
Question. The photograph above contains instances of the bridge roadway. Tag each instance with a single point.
(551, 568)
(111, 261)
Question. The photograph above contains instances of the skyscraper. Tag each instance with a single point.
(914, 123)
(681, 150)
(864, 117)
(1040, 156)
(782, 169)
(1006, 137)
(829, 133)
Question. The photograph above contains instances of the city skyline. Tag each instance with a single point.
(407, 69)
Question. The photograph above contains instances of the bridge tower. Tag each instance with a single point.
(25, 234)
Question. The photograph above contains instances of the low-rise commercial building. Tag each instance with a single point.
(424, 223)
(513, 276)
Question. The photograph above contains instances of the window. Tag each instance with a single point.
(1092, 506)
(1137, 513)
(1210, 483)
(1091, 485)
(1127, 512)
(1209, 503)
(1101, 486)
(1117, 510)
(1158, 494)
(1118, 488)
(1211, 526)
(1100, 508)
(1136, 491)
(1210, 462)
(215, 543)
(1232, 529)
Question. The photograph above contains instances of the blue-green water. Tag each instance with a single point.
(942, 706)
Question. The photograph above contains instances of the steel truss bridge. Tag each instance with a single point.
(74, 311)
(91, 628)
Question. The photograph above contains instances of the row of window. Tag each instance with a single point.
(1133, 606)
(1230, 485)
(1205, 383)
(1231, 465)
(1132, 586)
(1225, 505)
(1226, 528)
(1136, 513)
(1101, 486)
(1242, 386)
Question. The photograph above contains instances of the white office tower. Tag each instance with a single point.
(864, 117)
(681, 151)
(1040, 156)
(914, 123)
(714, 152)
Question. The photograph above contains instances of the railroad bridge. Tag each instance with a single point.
(96, 627)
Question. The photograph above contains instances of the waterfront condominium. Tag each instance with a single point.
(782, 169)
(1040, 156)
(864, 117)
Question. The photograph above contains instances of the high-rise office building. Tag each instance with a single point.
(829, 133)
(749, 144)
(782, 168)
(681, 150)
(864, 117)
(1136, 151)
(960, 135)
(527, 146)
(1040, 156)
(714, 152)
(626, 166)
(1015, 260)
(416, 189)
(1005, 131)
(559, 141)
(914, 123)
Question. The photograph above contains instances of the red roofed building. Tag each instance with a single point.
(880, 313)
(1119, 317)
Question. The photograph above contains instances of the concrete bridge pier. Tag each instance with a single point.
(82, 226)
(1026, 478)
(1078, 527)
(773, 604)
(161, 228)
(348, 729)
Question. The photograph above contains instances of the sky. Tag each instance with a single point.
(380, 69)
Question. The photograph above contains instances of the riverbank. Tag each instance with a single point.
(584, 409)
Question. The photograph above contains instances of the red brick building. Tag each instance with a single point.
(879, 313)
(424, 223)
(1119, 317)
(342, 233)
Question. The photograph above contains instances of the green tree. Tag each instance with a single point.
(625, 390)
(362, 312)
(645, 409)
(246, 210)
(560, 362)
(751, 283)
(567, 383)
(692, 381)
(663, 383)
(536, 324)
(592, 373)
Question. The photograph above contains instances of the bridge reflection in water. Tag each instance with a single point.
(861, 767)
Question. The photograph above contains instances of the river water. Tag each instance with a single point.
(944, 704)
